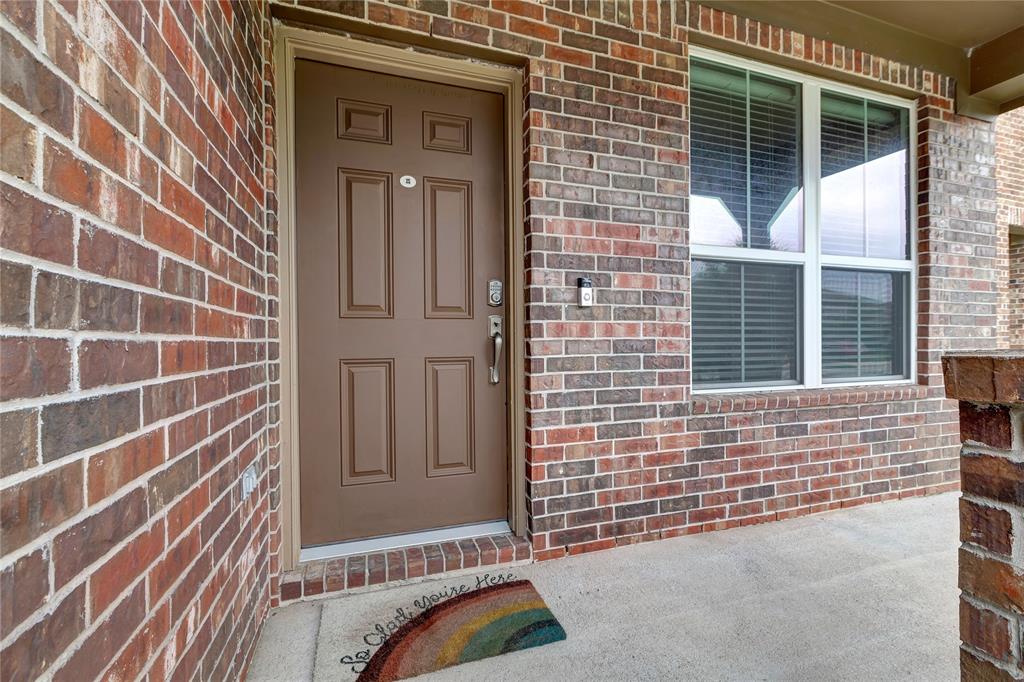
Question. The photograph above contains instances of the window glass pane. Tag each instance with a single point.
(718, 155)
(746, 323)
(745, 159)
(863, 178)
(886, 181)
(863, 324)
(776, 200)
(842, 175)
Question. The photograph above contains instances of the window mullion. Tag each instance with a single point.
(811, 115)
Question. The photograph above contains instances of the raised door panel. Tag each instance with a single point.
(367, 421)
(447, 133)
(448, 237)
(365, 244)
(450, 419)
(365, 121)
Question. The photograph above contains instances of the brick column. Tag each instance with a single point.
(990, 388)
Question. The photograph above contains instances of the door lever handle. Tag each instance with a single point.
(496, 340)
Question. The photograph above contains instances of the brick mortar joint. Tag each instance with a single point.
(107, 502)
(250, 564)
(1016, 516)
(73, 270)
(1015, 629)
(72, 144)
(78, 395)
(681, 20)
(97, 623)
(974, 448)
(83, 577)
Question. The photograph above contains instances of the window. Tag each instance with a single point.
(746, 322)
(799, 230)
(862, 313)
(745, 155)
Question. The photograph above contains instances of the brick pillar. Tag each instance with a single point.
(990, 388)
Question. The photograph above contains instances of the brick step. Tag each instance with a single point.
(362, 572)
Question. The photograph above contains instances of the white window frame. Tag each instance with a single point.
(811, 259)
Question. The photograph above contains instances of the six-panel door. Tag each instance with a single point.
(400, 227)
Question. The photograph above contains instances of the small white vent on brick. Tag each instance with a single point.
(248, 480)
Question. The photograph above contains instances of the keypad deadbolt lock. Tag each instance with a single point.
(495, 296)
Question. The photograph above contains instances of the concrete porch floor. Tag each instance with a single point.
(866, 593)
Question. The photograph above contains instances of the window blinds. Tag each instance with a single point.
(862, 328)
(745, 150)
(746, 323)
(747, 225)
(863, 178)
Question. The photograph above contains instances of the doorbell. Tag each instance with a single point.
(585, 291)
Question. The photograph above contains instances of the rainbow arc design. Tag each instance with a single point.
(487, 622)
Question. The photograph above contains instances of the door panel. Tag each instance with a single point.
(367, 421)
(449, 405)
(447, 133)
(400, 428)
(365, 243)
(448, 236)
(364, 121)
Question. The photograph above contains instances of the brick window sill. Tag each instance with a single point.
(715, 403)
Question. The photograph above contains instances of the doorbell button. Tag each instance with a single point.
(585, 291)
(407, 181)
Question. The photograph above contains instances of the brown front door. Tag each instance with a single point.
(400, 227)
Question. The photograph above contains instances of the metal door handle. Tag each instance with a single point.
(495, 333)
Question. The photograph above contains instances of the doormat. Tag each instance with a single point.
(486, 622)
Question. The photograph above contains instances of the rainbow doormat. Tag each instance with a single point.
(468, 627)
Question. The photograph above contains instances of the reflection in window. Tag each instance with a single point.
(745, 159)
(864, 178)
(747, 193)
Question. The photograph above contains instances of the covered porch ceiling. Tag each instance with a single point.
(979, 42)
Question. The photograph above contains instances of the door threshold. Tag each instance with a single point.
(423, 537)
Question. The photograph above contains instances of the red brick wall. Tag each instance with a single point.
(140, 312)
(134, 317)
(1010, 167)
(1015, 292)
(1010, 219)
(617, 451)
(991, 394)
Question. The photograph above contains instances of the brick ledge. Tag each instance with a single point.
(714, 403)
(365, 572)
(985, 376)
